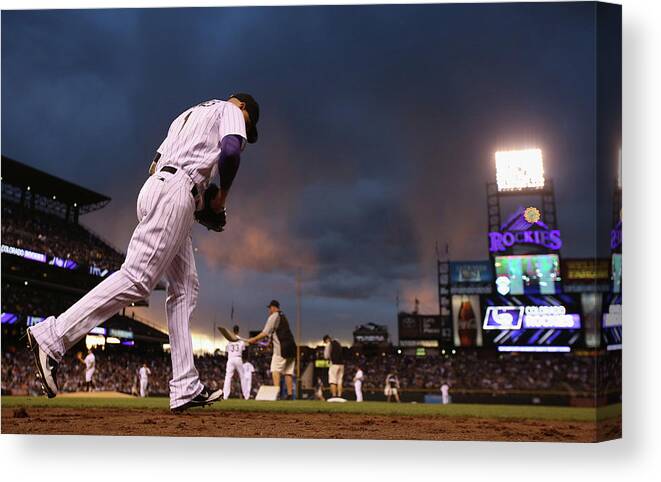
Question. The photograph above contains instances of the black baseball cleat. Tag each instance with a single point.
(206, 397)
(46, 367)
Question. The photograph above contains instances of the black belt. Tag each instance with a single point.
(172, 170)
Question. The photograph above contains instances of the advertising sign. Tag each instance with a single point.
(520, 229)
(587, 269)
(9, 318)
(530, 317)
(466, 326)
(470, 272)
(24, 253)
(502, 241)
(414, 326)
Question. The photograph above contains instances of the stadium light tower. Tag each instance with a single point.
(519, 170)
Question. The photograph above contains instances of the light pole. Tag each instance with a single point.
(298, 335)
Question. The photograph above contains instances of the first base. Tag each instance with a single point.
(267, 393)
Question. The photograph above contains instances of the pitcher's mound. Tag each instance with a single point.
(94, 395)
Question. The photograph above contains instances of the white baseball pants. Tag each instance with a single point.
(247, 380)
(358, 386)
(234, 365)
(143, 387)
(161, 246)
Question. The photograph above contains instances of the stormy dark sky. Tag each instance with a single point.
(377, 135)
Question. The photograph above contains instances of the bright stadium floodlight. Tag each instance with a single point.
(519, 170)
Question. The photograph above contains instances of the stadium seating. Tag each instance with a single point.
(46, 233)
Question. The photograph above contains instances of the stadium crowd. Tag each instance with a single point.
(30, 302)
(469, 369)
(49, 234)
(466, 370)
(117, 370)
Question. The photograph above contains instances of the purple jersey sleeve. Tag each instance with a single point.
(230, 158)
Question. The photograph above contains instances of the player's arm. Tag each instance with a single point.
(228, 166)
(256, 338)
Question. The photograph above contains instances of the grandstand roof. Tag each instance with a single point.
(23, 176)
(139, 327)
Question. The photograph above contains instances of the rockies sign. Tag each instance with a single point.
(518, 230)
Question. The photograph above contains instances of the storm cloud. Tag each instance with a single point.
(377, 135)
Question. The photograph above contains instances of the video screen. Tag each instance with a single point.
(528, 275)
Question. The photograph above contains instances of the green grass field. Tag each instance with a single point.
(366, 408)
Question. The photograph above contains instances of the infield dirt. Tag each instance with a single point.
(218, 423)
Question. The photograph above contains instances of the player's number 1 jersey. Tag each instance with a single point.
(193, 140)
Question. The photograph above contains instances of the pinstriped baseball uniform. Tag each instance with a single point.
(235, 364)
(161, 246)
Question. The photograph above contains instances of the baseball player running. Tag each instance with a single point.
(207, 136)
(144, 374)
(235, 364)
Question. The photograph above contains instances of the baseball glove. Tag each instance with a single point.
(206, 216)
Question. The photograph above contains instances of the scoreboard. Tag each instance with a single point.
(415, 326)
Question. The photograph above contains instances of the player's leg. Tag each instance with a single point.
(229, 374)
(242, 377)
(289, 383)
(182, 290)
(340, 380)
(248, 385)
(290, 365)
(276, 369)
(276, 379)
(163, 214)
(332, 380)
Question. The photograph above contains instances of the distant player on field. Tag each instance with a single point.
(235, 364)
(319, 390)
(391, 388)
(333, 352)
(90, 367)
(358, 384)
(143, 375)
(445, 393)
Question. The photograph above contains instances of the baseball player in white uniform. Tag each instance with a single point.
(391, 388)
(143, 375)
(235, 364)
(207, 136)
(445, 393)
(248, 370)
(358, 384)
(90, 367)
